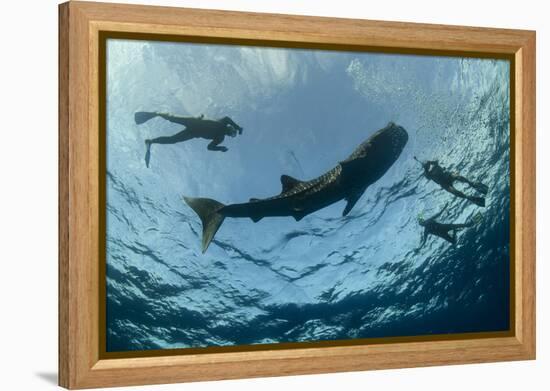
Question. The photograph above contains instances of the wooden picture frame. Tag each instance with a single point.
(81, 364)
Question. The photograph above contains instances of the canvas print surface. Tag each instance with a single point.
(261, 195)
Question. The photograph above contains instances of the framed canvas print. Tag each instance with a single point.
(248, 195)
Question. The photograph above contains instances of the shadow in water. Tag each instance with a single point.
(48, 377)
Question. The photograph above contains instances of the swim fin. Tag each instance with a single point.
(143, 116)
(147, 153)
(477, 218)
(477, 200)
(483, 189)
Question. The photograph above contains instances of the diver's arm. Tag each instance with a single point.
(423, 166)
(228, 121)
(214, 145)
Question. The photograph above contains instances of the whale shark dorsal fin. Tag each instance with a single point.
(255, 218)
(288, 183)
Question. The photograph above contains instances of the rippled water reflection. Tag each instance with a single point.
(327, 276)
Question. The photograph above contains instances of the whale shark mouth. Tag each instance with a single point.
(398, 137)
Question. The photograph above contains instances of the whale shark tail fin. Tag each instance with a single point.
(143, 116)
(207, 210)
(478, 217)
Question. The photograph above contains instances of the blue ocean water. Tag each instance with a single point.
(326, 277)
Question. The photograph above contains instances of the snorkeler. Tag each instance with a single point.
(432, 227)
(195, 127)
(445, 179)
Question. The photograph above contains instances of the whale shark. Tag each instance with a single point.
(348, 180)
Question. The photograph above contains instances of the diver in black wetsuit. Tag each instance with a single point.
(432, 227)
(445, 179)
(195, 127)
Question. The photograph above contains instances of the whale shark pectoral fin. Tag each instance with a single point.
(298, 212)
(288, 183)
(299, 215)
(255, 218)
(352, 200)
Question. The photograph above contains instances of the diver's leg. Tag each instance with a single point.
(453, 238)
(213, 146)
(452, 235)
(447, 236)
(476, 200)
(184, 135)
(144, 116)
(450, 231)
(186, 121)
(455, 192)
(452, 228)
(460, 178)
(476, 185)
(460, 226)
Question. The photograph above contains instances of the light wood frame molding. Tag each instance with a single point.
(80, 24)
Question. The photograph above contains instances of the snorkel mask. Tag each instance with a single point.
(233, 128)
(232, 132)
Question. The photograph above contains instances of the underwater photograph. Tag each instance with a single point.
(261, 195)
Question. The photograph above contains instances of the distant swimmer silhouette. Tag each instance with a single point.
(433, 171)
(195, 127)
(444, 231)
